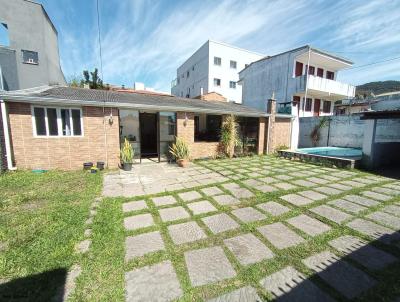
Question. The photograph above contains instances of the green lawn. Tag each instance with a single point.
(42, 217)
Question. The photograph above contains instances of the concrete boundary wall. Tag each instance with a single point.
(341, 131)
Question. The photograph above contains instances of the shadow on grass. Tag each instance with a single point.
(46, 286)
(366, 272)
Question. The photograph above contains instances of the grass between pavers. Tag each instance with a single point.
(104, 267)
(42, 217)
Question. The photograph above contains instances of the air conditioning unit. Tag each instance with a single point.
(31, 61)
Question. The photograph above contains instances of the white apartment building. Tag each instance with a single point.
(299, 90)
(302, 80)
(214, 67)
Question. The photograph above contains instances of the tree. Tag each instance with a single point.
(92, 78)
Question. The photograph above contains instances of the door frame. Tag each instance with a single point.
(157, 114)
(316, 113)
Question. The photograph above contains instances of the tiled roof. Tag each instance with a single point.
(91, 97)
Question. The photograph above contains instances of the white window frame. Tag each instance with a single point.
(230, 64)
(220, 61)
(59, 122)
(234, 85)
(216, 80)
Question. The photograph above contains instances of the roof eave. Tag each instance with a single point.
(93, 103)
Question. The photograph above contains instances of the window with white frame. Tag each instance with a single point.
(217, 82)
(232, 84)
(217, 61)
(233, 64)
(49, 121)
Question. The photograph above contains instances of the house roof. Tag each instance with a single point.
(320, 51)
(61, 95)
(380, 114)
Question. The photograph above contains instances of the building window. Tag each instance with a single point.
(217, 82)
(330, 75)
(207, 127)
(57, 121)
(52, 121)
(311, 70)
(299, 69)
(217, 61)
(187, 74)
(308, 105)
(232, 84)
(326, 107)
(30, 57)
(4, 38)
(233, 64)
(40, 121)
(193, 68)
(320, 72)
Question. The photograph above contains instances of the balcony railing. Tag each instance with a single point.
(330, 87)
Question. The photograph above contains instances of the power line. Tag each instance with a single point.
(374, 63)
(99, 37)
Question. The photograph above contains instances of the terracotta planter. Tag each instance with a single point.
(182, 163)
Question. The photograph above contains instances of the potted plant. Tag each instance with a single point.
(127, 154)
(180, 151)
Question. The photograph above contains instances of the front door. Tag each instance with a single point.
(148, 135)
(317, 106)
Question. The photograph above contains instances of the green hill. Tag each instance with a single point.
(377, 87)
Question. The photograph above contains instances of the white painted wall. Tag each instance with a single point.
(276, 75)
(202, 71)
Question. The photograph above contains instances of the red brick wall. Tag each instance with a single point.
(64, 153)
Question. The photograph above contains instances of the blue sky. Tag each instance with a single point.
(146, 40)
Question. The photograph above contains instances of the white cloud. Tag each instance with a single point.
(146, 40)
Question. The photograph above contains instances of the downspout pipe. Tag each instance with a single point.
(6, 136)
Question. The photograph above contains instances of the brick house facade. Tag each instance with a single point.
(65, 153)
(100, 139)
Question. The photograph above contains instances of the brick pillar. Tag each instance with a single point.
(262, 122)
(185, 126)
(271, 109)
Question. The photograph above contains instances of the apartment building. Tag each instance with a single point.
(214, 67)
(303, 81)
(29, 54)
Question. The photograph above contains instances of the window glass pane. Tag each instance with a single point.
(40, 121)
(65, 122)
(129, 128)
(76, 121)
(30, 57)
(217, 61)
(52, 121)
(207, 127)
(167, 126)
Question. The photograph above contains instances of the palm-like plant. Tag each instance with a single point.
(127, 152)
(180, 149)
(229, 135)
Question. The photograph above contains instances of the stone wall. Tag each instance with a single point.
(64, 153)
